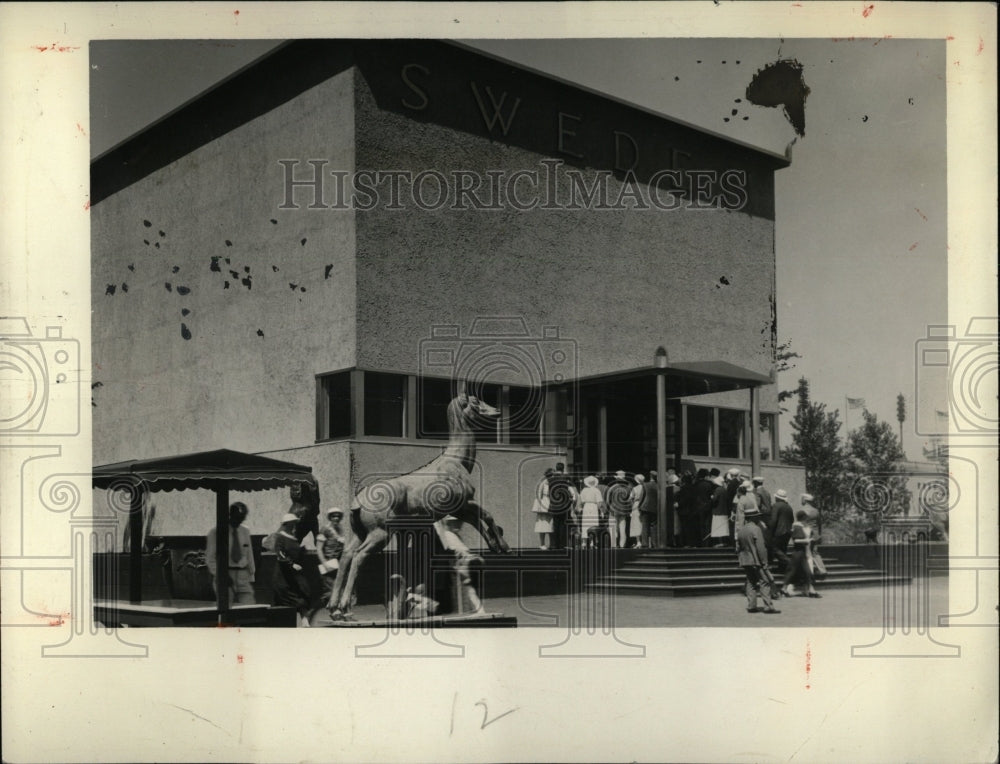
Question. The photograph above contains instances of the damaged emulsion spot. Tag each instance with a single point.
(723, 281)
(185, 332)
(110, 289)
(327, 271)
(781, 84)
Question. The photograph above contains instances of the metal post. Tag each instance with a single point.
(755, 430)
(222, 550)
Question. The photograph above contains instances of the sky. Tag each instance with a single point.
(860, 231)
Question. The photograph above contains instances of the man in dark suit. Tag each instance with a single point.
(619, 504)
(703, 490)
(752, 553)
(648, 508)
(780, 529)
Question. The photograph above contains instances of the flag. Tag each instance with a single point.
(855, 403)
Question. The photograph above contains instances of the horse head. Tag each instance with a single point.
(463, 410)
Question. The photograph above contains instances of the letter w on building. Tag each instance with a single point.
(496, 116)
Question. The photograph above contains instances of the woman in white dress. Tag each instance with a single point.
(635, 526)
(544, 523)
(591, 505)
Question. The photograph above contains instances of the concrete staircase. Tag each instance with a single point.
(689, 572)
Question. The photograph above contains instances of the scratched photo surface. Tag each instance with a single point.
(328, 240)
(403, 262)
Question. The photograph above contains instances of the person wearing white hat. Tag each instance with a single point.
(648, 509)
(638, 495)
(753, 558)
(720, 513)
(745, 501)
(291, 589)
(590, 504)
(329, 546)
(764, 500)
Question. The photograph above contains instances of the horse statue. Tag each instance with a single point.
(440, 493)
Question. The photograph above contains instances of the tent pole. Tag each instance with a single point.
(222, 550)
(135, 543)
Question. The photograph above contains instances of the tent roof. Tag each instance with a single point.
(223, 468)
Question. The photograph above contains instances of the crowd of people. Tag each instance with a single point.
(703, 509)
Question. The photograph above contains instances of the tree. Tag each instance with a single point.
(816, 446)
(900, 414)
(783, 355)
(876, 469)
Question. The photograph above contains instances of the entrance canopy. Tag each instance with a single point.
(220, 471)
(687, 378)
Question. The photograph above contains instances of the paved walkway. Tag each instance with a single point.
(857, 607)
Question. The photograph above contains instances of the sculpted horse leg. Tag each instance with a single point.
(483, 521)
(375, 540)
(351, 545)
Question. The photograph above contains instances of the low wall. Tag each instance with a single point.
(871, 555)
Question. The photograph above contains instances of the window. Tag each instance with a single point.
(524, 414)
(433, 397)
(488, 429)
(732, 434)
(333, 418)
(700, 431)
(385, 404)
(768, 438)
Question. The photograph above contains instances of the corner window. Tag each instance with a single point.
(333, 406)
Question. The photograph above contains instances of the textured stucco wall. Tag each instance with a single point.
(245, 378)
(618, 283)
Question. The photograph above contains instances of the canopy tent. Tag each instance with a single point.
(219, 471)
